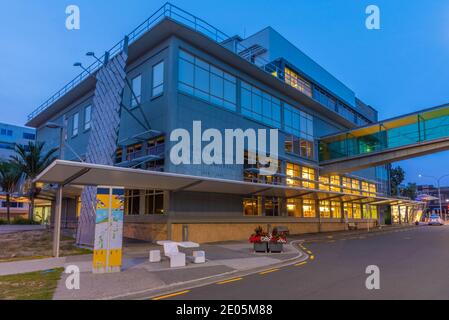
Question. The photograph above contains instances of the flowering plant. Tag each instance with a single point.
(261, 236)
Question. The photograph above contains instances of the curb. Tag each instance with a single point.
(190, 284)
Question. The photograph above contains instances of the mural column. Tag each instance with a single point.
(102, 142)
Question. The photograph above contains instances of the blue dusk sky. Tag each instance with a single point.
(399, 69)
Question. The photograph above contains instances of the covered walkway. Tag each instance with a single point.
(412, 135)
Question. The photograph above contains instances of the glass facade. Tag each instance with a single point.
(260, 106)
(298, 122)
(300, 176)
(308, 208)
(400, 132)
(298, 82)
(203, 80)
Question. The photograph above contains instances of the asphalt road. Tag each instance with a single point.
(413, 264)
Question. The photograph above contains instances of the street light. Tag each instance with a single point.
(438, 180)
(79, 64)
(92, 54)
(58, 211)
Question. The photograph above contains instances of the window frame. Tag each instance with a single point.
(87, 124)
(160, 85)
(75, 124)
(138, 97)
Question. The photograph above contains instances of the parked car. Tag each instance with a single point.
(435, 220)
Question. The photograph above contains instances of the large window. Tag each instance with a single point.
(132, 202)
(347, 207)
(136, 85)
(154, 202)
(308, 208)
(308, 174)
(205, 81)
(29, 136)
(252, 207)
(293, 175)
(158, 79)
(272, 206)
(300, 147)
(75, 124)
(336, 209)
(325, 209)
(298, 123)
(357, 211)
(87, 117)
(298, 82)
(300, 176)
(294, 208)
(335, 183)
(261, 106)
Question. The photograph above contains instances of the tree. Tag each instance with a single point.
(410, 191)
(397, 176)
(32, 160)
(9, 177)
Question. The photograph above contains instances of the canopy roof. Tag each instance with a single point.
(87, 174)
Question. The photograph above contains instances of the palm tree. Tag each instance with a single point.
(32, 160)
(9, 177)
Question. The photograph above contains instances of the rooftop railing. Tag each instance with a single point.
(183, 17)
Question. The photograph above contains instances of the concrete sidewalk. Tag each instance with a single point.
(139, 275)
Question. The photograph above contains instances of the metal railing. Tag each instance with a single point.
(183, 17)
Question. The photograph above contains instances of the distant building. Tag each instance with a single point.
(11, 135)
(434, 205)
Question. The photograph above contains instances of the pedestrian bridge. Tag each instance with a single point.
(409, 136)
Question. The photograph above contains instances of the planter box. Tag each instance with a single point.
(261, 247)
(275, 247)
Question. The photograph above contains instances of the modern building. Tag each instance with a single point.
(11, 135)
(178, 70)
(433, 206)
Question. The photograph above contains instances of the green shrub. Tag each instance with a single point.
(23, 221)
(2, 222)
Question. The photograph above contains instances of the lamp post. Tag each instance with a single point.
(438, 180)
(58, 211)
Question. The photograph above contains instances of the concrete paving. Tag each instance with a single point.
(139, 276)
(4, 229)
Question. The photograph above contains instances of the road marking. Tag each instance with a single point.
(230, 280)
(309, 252)
(301, 264)
(171, 295)
(312, 257)
(268, 271)
(330, 237)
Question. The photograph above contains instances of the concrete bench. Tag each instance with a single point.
(155, 255)
(352, 226)
(199, 257)
(177, 259)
